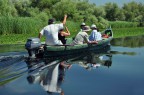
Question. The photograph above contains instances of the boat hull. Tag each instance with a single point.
(76, 49)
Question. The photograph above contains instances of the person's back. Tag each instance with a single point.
(95, 35)
(51, 32)
(99, 36)
(79, 39)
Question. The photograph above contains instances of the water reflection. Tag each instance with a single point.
(12, 48)
(49, 77)
(92, 60)
(123, 53)
(135, 41)
(51, 74)
(91, 73)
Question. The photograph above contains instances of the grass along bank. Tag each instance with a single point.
(20, 25)
(124, 32)
(21, 38)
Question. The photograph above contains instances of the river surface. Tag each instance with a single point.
(120, 71)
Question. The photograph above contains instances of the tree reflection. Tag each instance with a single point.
(135, 41)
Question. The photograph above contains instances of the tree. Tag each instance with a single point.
(22, 7)
(99, 11)
(7, 8)
(131, 11)
(112, 10)
(63, 7)
(42, 4)
(121, 15)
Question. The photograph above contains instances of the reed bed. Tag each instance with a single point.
(19, 25)
(17, 30)
(123, 32)
(21, 38)
(123, 24)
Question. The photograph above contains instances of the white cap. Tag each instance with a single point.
(83, 23)
(93, 26)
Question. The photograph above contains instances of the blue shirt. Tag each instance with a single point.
(95, 36)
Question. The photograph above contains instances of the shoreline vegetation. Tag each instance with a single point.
(18, 30)
(22, 19)
(22, 38)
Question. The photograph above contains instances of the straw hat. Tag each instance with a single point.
(86, 28)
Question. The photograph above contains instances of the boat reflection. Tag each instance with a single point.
(50, 74)
(93, 61)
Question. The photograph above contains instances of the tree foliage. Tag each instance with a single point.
(77, 10)
(7, 8)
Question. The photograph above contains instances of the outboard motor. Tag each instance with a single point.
(32, 45)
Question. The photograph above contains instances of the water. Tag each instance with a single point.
(118, 72)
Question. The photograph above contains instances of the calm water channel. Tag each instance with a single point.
(120, 71)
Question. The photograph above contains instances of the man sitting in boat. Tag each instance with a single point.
(95, 35)
(51, 32)
(82, 37)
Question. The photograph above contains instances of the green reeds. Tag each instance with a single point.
(19, 25)
(123, 32)
(17, 30)
(123, 24)
(74, 27)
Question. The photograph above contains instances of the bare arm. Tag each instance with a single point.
(40, 35)
(64, 20)
(89, 42)
(67, 30)
(67, 33)
(92, 42)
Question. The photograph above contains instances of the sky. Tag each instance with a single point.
(119, 2)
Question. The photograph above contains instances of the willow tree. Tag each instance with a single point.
(64, 7)
(133, 11)
(112, 11)
(7, 8)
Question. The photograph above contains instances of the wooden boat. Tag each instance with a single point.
(68, 49)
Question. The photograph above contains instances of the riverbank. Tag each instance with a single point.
(21, 38)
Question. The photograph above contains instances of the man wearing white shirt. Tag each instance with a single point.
(51, 32)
